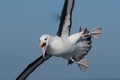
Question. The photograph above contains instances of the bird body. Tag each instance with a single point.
(57, 46)
(62, 46)
(73, 47)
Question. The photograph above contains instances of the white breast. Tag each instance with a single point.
(60, 47)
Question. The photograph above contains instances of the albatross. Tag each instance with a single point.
(72, 47)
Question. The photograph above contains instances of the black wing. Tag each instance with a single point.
(66, 18)
(31, 67)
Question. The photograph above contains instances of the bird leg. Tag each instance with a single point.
(83, 64)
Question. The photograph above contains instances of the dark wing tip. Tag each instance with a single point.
(31, 67)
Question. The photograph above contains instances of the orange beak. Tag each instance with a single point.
(43, 46)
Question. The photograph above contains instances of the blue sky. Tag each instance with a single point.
(22, 22)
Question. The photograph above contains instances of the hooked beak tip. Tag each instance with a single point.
(40, 44)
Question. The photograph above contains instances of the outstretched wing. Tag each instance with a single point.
(31, 67)
(66, 18)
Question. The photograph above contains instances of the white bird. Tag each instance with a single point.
(70, 47)
(73, 48)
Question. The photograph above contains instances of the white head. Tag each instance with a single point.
(44, 43)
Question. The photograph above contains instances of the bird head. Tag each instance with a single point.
(43, 43)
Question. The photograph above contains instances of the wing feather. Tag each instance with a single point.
(31, 67)
(66, 18)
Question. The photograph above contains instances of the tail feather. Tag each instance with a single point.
(83, 64)
(96, 32)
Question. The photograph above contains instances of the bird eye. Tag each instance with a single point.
(45, 39)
